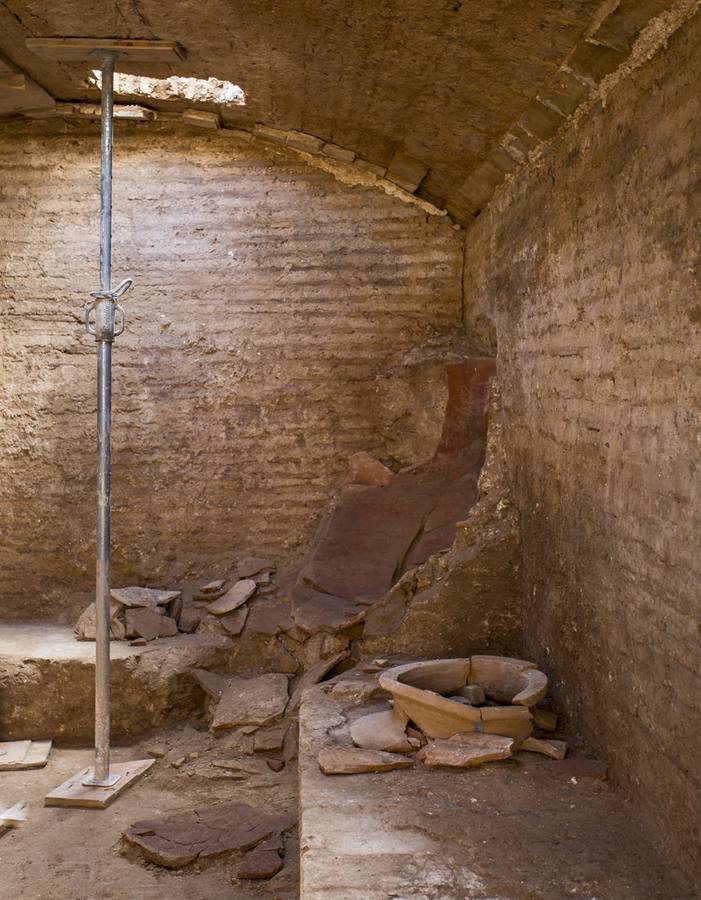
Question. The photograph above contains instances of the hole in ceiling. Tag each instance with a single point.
(213, 90)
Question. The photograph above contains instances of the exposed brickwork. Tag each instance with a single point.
(278, 323)
(591, 264)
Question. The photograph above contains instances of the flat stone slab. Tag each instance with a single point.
(143, 597)
(236, 596)
(382, 731)
(251, 701)
(48, 682)
(466, 750)
(209, 831)
(355, 761)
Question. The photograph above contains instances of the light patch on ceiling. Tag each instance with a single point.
(204, 90)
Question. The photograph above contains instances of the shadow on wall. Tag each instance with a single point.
(385, 539)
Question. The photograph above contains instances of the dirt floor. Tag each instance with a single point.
(74, 854)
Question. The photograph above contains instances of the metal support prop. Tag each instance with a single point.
(105, 306)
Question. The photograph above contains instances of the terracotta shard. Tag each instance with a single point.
(465, 750)
(382, 731)
(551, 748)
(233, 622)
(168, 627)
(211, 683)
(144, 622)
(511, 721)
(269, 617)
(271, 738)
(354, 761)
(473, 693)
(207, 832)
(133, 597)
(233, 598)
(189, 619)
(212, 587)
(251, 701)
(504, 679)
(314, 675)
(252, 565)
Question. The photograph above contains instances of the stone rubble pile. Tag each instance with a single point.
(141, 614)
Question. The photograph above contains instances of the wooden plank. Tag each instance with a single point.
(12, 753)
(37, 755)
(74, 793)
(80, 49)
(15, 816)
(16, 755)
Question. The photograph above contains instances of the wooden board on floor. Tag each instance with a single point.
(23, 755)
(74, 793)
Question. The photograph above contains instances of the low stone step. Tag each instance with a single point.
(47, 681)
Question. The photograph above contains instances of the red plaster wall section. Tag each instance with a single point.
(270, 301)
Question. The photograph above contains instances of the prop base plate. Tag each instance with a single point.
(74, 793)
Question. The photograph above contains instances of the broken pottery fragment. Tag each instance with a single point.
(507, 680)
(144, 622)
(252, 565)
(233, 622)
(382, 731)
(260, 864)
(269, 617)
(511, 721)
(365, 469)
(465, 750)
(355, 761)
(314, 675)
(168, 627)
(251, 701)
(236, 596)
(211, 683)
(85, 627)
(133, 597)
(212, 587)
(473, 693)
(189, 619)
(553, 749)
(270, 738)
(179, 840)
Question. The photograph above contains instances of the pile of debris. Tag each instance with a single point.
(222, 609)
(141, 614)
(450, 712)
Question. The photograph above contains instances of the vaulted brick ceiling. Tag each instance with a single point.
(446, 81)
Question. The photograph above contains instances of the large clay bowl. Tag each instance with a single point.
(417, 688)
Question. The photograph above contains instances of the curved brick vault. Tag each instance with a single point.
(449, 95)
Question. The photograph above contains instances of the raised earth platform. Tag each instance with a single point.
(524, 827)
(47, 682)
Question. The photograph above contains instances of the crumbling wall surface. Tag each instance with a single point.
(594, 274)
(279, 322)
(467, 599)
